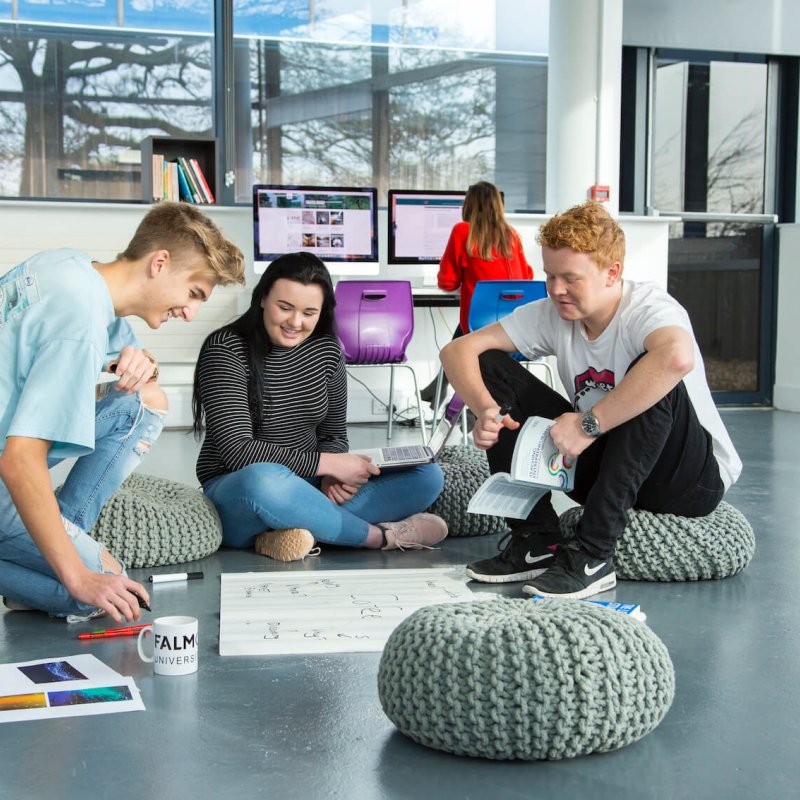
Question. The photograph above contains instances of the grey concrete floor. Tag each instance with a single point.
(312, 727)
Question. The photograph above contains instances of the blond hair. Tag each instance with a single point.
(587, 228)
(489, 233)
(183, 230)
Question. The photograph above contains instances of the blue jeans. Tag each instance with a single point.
(268, 496)
(124, 431)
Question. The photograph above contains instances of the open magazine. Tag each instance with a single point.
(536, 468)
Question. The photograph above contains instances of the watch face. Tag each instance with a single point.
(590, 425)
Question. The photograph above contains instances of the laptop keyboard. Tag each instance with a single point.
(414, 452)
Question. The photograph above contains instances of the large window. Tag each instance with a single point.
(403, 93)
(710, 167)
(76, 102)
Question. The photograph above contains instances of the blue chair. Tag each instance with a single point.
(491, 301)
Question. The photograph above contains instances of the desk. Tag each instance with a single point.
(431, 296)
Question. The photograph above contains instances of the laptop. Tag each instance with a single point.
(400, 457)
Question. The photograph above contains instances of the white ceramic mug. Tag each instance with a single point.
(175, 649)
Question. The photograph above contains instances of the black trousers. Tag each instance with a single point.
(660, 461)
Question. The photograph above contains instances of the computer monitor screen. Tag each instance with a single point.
(339, 225)
(420, 224)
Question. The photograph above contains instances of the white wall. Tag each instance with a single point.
(646, 242)
(102, 230)
(744, 26)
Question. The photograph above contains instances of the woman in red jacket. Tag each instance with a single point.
(484, 247)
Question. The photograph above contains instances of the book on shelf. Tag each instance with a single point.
(158, 177)
(196, 196)
(209, 195)
(184, 190)
(180, 178)
(173, 180)
(536, 468)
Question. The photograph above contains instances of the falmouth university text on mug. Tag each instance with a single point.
(174, 645)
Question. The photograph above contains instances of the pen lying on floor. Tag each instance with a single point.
(133, 630)
(123, 628)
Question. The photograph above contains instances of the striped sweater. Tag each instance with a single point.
(305, 406)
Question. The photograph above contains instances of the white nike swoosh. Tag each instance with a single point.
(593, 569)
(529, 559)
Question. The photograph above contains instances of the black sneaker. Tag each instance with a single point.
(574, 573)
(526, 555)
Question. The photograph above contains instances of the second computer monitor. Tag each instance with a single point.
(420, 223)
(339, 225)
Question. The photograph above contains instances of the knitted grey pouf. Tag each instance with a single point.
(152, 521)
(665, 547)
(465, 468)
(526, 679)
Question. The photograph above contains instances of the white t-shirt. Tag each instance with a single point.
(589, 369)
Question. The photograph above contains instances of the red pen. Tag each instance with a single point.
(123, 628)
(110, 634)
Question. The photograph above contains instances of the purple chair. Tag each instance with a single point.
(375, 322)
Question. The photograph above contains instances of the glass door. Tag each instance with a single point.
(712, 147)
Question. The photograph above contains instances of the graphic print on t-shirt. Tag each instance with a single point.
(591, 385)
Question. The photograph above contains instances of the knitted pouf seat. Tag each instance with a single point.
(465, 468)
(524, 679)
(152, 521)
(665, 547)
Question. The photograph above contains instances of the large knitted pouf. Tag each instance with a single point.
(465, 468)
(526, 679)
(152, 521)
(665, 547)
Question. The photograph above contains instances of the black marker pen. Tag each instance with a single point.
(142, 603)
(504, 409)
(176, 576)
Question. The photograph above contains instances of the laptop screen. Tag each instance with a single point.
(441, 435)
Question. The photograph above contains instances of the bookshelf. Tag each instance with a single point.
(203, 148)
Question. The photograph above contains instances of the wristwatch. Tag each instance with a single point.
(589, 425)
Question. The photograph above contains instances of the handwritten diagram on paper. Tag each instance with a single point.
(332, 611)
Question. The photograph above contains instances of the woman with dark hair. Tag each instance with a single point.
(270, 391)
(484, 247)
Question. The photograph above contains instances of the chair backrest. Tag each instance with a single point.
(493, 300)
(374, 320)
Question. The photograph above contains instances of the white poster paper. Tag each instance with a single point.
(333, 611)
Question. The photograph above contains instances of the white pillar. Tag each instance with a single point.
(583, 101)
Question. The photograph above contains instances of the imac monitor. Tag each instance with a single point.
(420, 224)
(339, 225)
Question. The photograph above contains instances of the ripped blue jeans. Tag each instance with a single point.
(125, 430)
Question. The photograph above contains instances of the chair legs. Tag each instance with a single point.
(438, 394)
(437, 398)
(420, 416)
(390, 413)
(391, 404)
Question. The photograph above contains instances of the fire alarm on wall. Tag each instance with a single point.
(601, 193)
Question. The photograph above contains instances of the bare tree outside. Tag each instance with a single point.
(70, 107)
(715, 266)
(438, 116)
